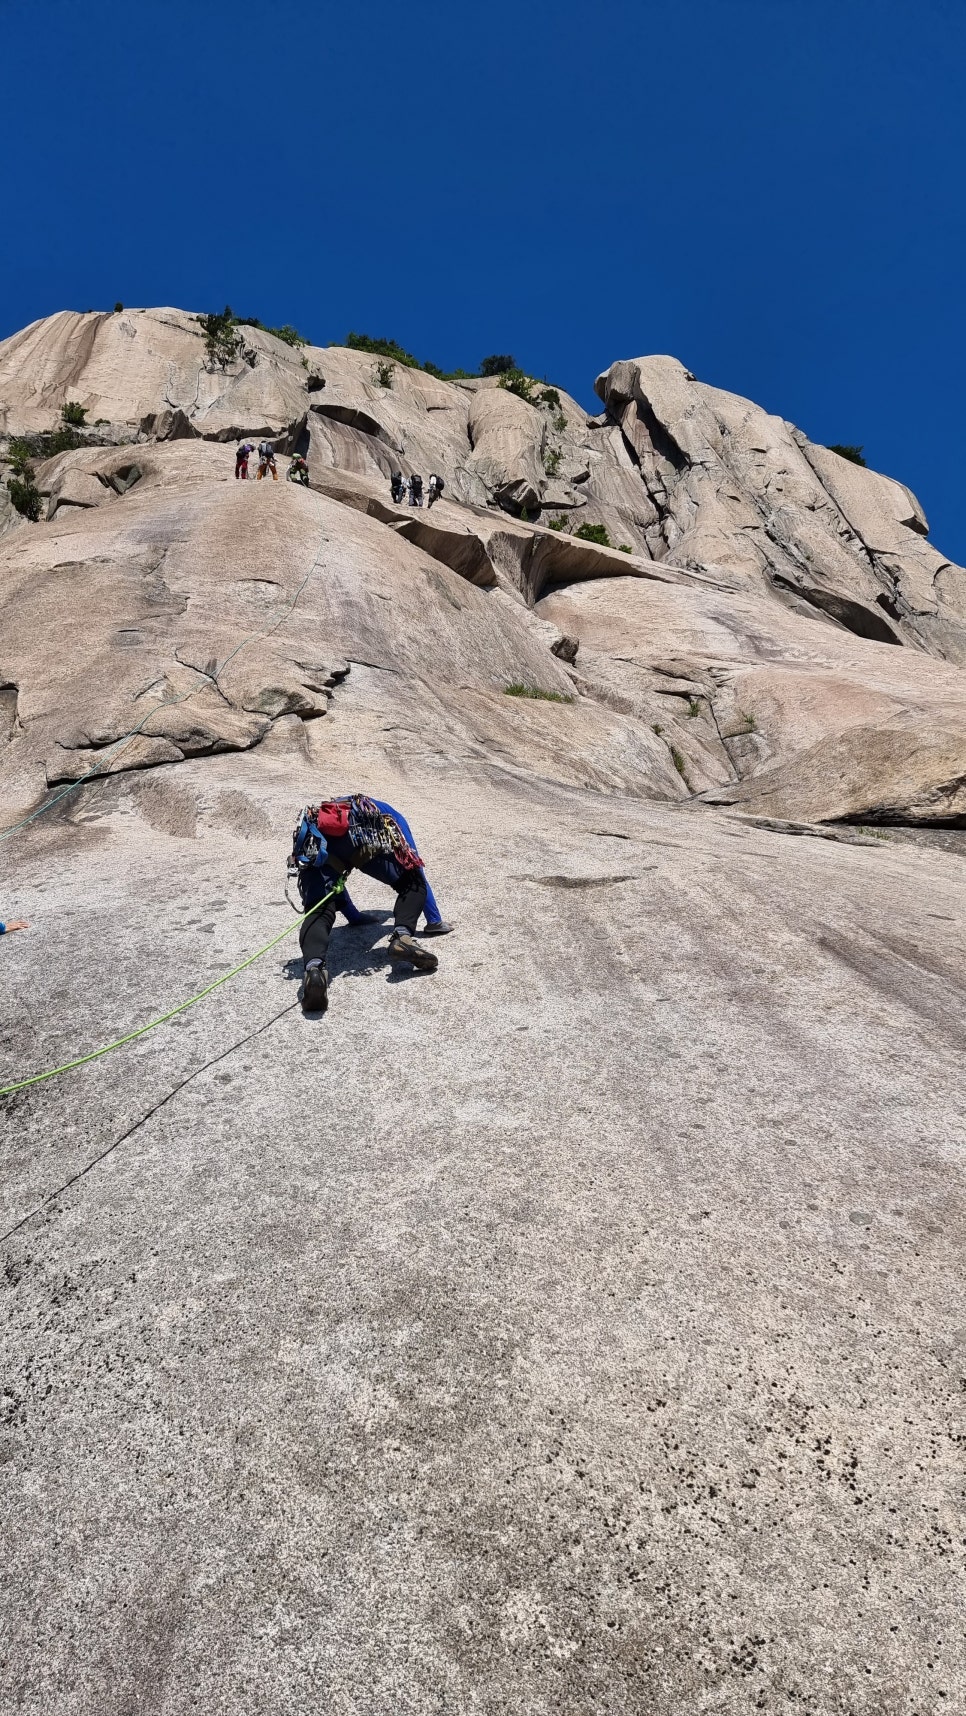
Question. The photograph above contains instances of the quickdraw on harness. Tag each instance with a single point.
(374, 834)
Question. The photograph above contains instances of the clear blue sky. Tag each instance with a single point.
(773, 190)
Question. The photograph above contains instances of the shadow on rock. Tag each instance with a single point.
(357, 950)
(353, 951)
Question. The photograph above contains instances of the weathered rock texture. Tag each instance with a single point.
(780, 614)
(576, 1330)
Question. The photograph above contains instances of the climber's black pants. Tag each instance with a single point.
(409, 885)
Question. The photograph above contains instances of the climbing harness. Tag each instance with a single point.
(83, 1060)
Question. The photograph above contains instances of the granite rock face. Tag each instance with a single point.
(814, 635)
(576, 1328)
(745, 495)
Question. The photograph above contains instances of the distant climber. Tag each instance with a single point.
(397, 488)
(436, 487)
(356, 833)
(242, 457)
(18, 923)
(298, 471)
(415, 490)
(266, 460)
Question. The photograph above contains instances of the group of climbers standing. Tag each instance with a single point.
(399, 487)
(266, 459)
(298, 471)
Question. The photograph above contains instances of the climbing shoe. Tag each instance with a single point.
(314, 994)
(403, 950)
(440, 928)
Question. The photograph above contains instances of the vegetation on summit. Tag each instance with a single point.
(223, 345)
(853, 454)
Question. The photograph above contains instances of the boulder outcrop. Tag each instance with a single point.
(745, 495)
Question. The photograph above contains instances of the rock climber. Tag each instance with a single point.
(298, 471)
(347, 834)
(242, 457)
(397, 487)
(266, 460)
(415, 490)
(436, 487)
(21, 923)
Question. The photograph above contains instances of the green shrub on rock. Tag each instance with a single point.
(74, 413)
(42, 445)
(518, 689)
(498, 364)
(222, 344)
(853, 454)
(25, 496)
(382, 348)
(594, 533)
(516, 381)
(19, 453)
(288, 334)
(549, 397)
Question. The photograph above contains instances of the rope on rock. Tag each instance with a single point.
(161, 1103)
(131, 1036)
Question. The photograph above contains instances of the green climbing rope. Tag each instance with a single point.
(83, 1060)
